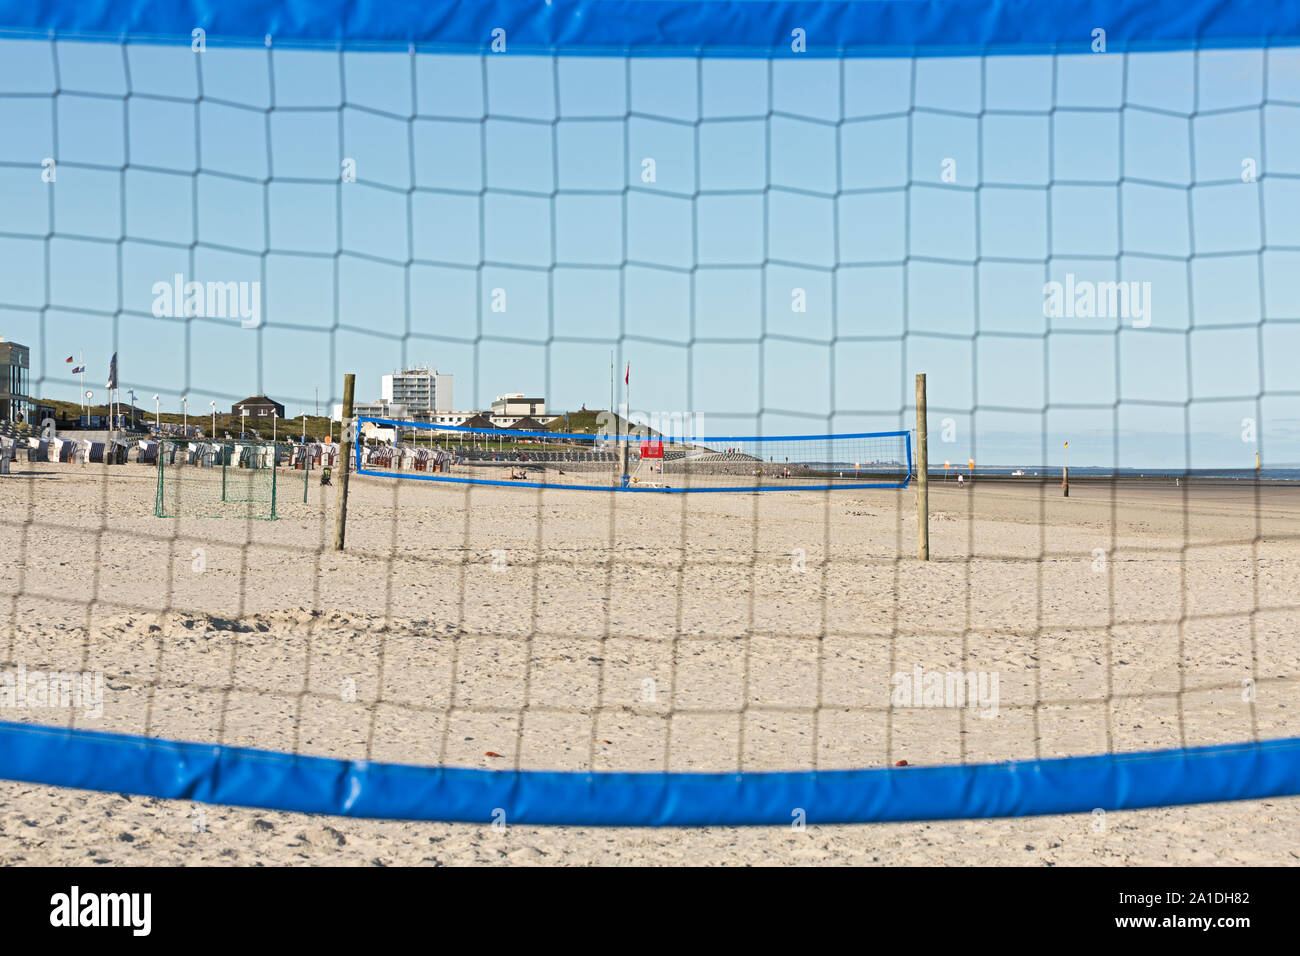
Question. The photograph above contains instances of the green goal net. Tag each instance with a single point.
(217, 479)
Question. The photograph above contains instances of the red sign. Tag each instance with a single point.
(652, 449)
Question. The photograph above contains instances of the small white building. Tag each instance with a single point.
(372, 432)
(516, 405)
(374, 410)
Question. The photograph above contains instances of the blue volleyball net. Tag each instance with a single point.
(1080, 222)
(636, 459)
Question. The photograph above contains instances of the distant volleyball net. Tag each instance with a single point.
(638, 460)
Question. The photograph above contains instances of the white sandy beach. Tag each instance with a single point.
(767, 627)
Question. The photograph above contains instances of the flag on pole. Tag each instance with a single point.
(1067, 444)
(78, 370)
(112, 372)
(627, 379)
(68, 359)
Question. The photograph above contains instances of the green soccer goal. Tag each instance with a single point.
(222, 479)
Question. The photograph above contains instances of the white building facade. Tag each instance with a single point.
(516, 405)
(380, 410)
(418, 390)
(425, 395)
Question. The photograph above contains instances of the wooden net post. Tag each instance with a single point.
(345, 464)
(922, 473)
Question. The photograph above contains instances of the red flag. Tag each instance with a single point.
(627, 378)
(68, 359)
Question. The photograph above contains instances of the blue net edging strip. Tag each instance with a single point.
(830, 28)
(238, 776)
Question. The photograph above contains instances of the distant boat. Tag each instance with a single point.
(1018, 471)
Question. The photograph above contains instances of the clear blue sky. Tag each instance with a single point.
(769, 177)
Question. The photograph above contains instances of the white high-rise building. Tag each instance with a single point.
(419, 390)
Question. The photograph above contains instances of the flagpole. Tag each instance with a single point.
(627, 426)
(112, 394)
